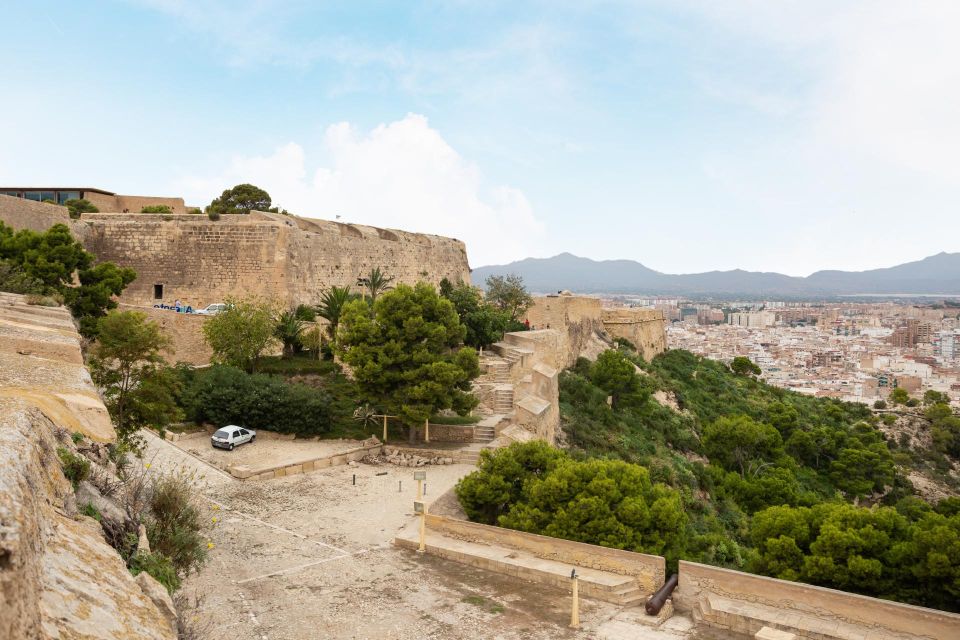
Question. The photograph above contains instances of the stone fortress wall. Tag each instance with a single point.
(290, 259)
(587, 327)
(287, 258)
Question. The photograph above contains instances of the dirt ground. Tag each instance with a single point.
(263, 452)
(310, 556)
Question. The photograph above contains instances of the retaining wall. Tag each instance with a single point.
(822, 612)
(647, 569)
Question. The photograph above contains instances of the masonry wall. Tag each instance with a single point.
(132, 204)
(647, 569)
(20, 213)
(826, 608)
(200, 261)
(185, 331)
(643, 327)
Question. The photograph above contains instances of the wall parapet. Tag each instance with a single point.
(806, 610)
(648, 570)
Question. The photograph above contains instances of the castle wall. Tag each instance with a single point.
(806, 610)
(20, 213)
(132, 204)
(200, 261)
(586, 327)
(643, 327)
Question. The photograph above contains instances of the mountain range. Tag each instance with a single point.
(938, 274)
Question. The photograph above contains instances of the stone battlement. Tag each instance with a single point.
(200, 261)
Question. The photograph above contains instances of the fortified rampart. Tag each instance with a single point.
(199, 261)
(586, 327)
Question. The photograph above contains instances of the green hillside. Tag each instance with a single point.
(763, 479)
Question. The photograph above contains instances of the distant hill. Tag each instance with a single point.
(934, 275)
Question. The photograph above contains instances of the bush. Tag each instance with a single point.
(75, 468)
(78, 207)
(156, 208)
(36, 299)
(91, 511)
(213, 215)
(226, 395)
(880, 404)
(173, 524)
(157, 565)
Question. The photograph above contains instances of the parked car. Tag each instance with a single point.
(212, 309)
(230, 436)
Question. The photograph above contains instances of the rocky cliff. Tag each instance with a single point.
(58, 576)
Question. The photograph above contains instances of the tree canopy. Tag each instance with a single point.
(243, 198)
(46, 262)
(532, 487)
(406, 352)
(127, 365)
(509, 294)
(485, 324)
(242, 333)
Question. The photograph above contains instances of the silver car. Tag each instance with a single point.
(212, 309)
(230, 436)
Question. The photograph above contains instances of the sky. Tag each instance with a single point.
(768, 135)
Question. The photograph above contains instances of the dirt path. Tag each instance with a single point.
(310, 556)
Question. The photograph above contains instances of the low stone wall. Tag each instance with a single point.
(243, 472)
(425, 451)
(451, 432)
(185, 331)
(648, 570)
(822, 611)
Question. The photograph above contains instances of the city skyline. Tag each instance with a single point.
(789, 138)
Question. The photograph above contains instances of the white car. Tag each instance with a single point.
(212, 309)
(230, 436)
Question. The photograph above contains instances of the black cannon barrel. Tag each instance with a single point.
(658, 599)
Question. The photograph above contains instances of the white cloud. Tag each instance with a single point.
(400, 175)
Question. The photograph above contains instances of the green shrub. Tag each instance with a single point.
(77, 437)
(880, 404)
(75, 468)
(90, 510)
(213, 215)
(39, 300)
(157, 565)
(226, 395)
(174, 524)
(455, 420)
(156, 208)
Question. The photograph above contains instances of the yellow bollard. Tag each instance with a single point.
(575, 611)
(426, 430)
(384, 428)
(421, 508)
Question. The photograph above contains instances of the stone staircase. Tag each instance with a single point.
(499, 370)
(509, 352)
(503, 398)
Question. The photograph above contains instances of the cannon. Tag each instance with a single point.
(659, 598)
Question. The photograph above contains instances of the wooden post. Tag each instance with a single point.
(426, 430)
(575, 610)
(384, 429)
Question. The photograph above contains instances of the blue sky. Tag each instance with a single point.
(767, 135)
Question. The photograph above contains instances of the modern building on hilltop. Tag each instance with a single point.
(105, 201)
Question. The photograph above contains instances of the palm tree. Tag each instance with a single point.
(288, 330)
(376, 282)
(331, 306)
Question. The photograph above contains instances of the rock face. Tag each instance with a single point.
(58, 576)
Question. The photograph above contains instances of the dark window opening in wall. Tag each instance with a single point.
(158, 292)
(63, 196)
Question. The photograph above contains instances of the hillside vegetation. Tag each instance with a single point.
(763, 479)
